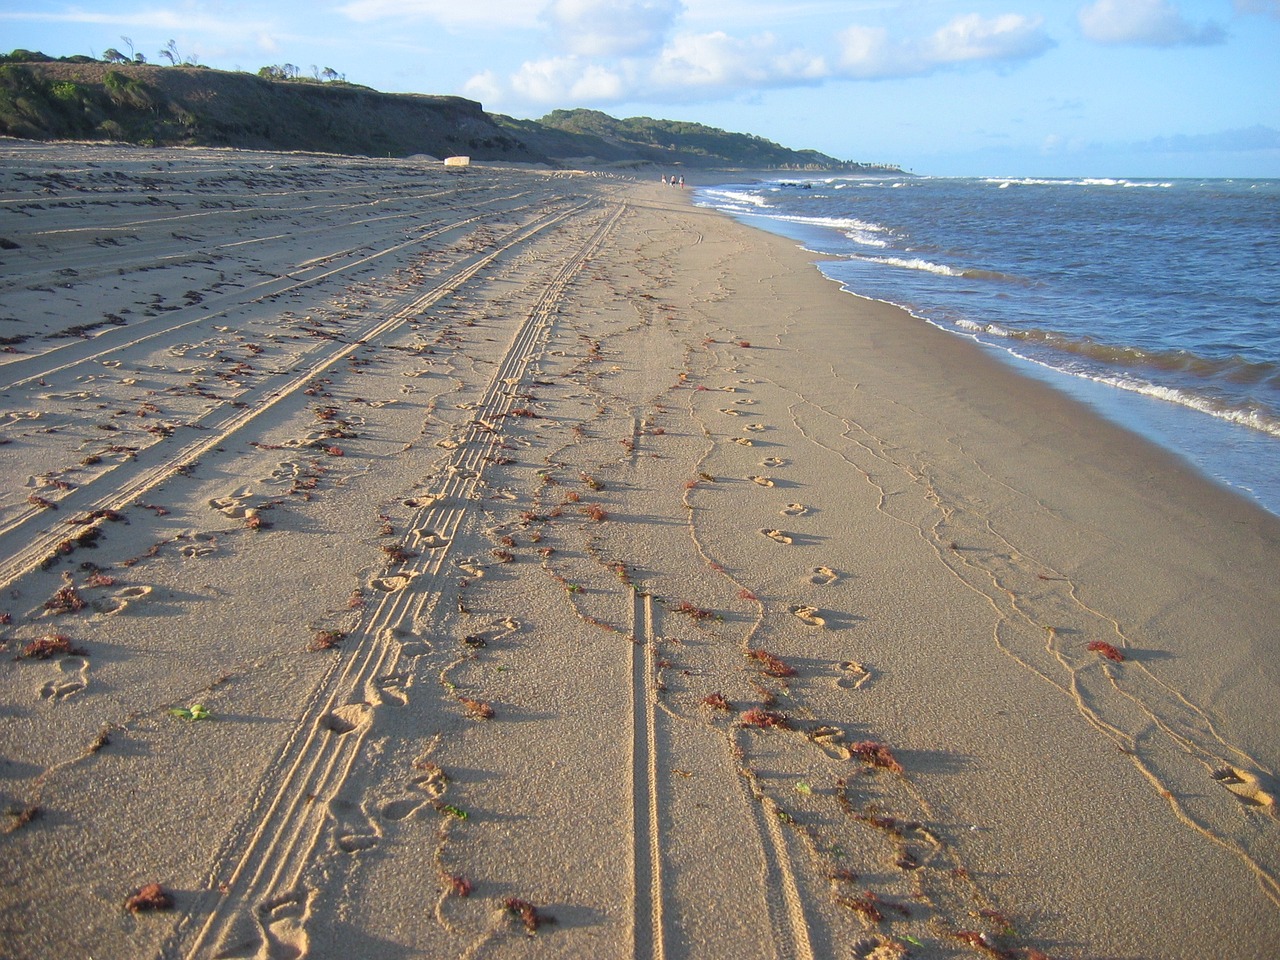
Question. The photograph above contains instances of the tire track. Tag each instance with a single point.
(24, 548)
(255, 903)
(649, 942)
(33, 368)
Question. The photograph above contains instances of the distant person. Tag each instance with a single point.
(682, 182)
(664, 179)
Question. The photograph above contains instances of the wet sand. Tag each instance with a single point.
(401, 563)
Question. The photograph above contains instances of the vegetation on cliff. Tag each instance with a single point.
(123, 98)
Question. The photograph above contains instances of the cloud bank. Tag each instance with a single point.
(649, 57)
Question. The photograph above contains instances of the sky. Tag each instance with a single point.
(1098, 88)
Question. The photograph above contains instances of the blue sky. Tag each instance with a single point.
(946, 87)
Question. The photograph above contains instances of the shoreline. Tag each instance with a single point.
(545, 546)
(1231, 453)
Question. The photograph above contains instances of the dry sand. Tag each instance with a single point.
(670, 594)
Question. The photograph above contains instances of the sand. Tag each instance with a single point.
(511, 564)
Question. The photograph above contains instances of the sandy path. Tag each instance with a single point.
(660, 590)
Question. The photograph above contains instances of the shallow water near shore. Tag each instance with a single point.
(1154, 301)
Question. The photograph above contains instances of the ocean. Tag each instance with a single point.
(1157, 302)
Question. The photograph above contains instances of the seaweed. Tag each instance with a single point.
(148, 898)
(765, 719)
(325, 640)
(772, 665)
(528, 914)
(51, 645)
(876, 754)
(716, 701)
(865, 906)
(66, 600)
(1102, 648)
(689, 610)
(476, 709)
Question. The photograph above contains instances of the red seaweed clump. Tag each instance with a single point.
(773, 666)
(1102, 648)
(765, 719)
(528, 914)
(150, 897)
(876, 754)
(50, 645)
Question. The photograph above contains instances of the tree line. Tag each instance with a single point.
(176, 58)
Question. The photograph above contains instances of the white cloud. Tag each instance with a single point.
(717, 61)
(1149, 23)
(868, 53)
(497, 13)
(566, 80)
(485, 87)
(611, 27)
(1006, 37)
(693, 66)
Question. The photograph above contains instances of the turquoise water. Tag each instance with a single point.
(1156, 301)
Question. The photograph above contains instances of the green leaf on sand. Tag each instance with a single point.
(197, 711)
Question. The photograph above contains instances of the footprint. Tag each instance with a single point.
(120, 600)
(762, 481)
(746, 403)
(430, 786)
(774, 462)
(426, 500)
(777, 536)
(391, 584)
(823, 576)
(401, 809)
(346, 718)
(429, 539)
(204, 544)
(353, 829)
(755, 427)
(853, 675)
(794, 510)
(415, 648)
(1247, 787)
(391, 689)
(233, 505)
(73, 676)
(730, 412)
(743, 441)
(497, 630)
(283, 921)
(433, 783)
(831, 740)
(809, 615)
(471, 567)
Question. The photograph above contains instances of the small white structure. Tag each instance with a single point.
(457, 161)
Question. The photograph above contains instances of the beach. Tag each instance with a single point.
(411, 562)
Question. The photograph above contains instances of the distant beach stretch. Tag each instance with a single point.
(494, 562)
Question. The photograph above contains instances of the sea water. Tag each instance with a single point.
(1155, 301)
